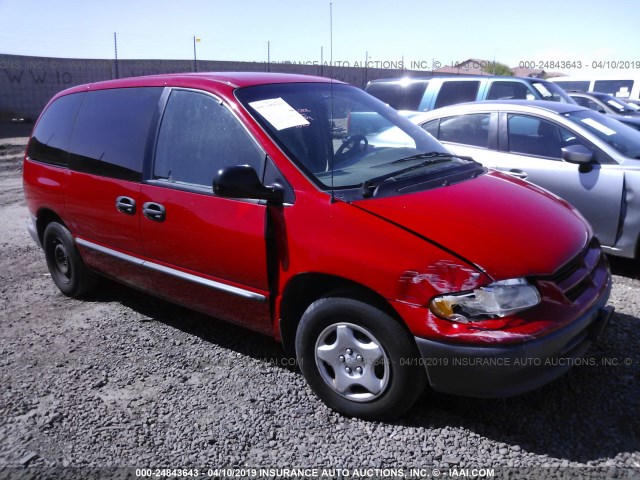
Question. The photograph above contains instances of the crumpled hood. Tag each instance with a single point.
(507, 227)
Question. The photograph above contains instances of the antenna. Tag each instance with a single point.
(332, 197)
(331, 36)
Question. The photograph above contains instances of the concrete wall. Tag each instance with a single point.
(27, 83)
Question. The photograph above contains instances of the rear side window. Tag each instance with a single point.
(50, 140)
(198, 137)
(470, 129)
(112, 130)
(399, 95)
(452, 92)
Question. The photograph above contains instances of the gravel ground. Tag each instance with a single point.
(123, 379)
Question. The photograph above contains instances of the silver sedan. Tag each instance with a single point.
(589, 159)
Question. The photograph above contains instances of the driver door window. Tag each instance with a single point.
(199, 136)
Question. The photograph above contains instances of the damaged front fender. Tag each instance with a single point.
(445, 276)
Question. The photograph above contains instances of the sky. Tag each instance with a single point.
(419, 34)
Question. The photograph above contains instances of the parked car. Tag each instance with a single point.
(589, 159)
(409, 94)
(603, 103)
(627, 113)
(382, 269)
(428, 93)
(620, 85)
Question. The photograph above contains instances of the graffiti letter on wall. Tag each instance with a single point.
(13, 78)
(64, 78)
(38, 78)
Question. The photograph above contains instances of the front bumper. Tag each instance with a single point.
(503, 371)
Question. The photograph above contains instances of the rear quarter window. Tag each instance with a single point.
(432, 127)
(50, 140)
(112, 130)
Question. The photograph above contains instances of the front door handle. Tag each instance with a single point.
(154, 211)
(126, 205)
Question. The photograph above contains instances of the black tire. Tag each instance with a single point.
(67, 269)
(337, 334)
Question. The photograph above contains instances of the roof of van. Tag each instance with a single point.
(232, 79)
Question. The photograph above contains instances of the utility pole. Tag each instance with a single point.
(268, 55)
(366, 68)
(195, 58)
(115, 48)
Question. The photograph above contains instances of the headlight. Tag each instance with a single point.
(496, 300)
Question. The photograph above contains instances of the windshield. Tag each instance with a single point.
(623, 138)
(342, 137)
(551, 92)
(617, 105)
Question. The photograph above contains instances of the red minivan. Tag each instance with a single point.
(382, 265)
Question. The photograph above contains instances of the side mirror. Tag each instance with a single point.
(577, 154)
(241, 181)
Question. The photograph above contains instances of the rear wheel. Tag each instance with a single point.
(358, 359)
(67, 269)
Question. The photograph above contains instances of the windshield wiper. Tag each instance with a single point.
(418, 157)
(369, 186)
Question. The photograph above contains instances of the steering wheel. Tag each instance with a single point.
(351, 147)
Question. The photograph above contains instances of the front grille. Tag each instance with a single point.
(575, 276)
(574, 293)
(568, 269)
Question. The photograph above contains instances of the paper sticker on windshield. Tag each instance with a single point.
(598, 126)
(615, 104)
(542, 89)
(279, 113)
(623, 92)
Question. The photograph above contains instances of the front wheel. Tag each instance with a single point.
(67, 269)
(358, 360)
